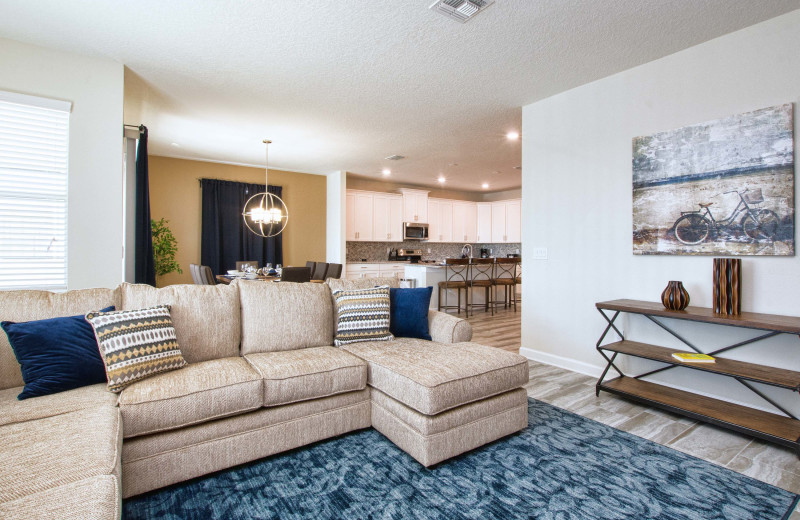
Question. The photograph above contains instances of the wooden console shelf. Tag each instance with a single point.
(782, 428)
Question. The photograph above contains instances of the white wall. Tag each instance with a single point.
(95, 88)
(336, 219)
(577, 193)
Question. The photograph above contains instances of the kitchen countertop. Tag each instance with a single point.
(380, 262)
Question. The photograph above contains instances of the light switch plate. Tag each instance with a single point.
(540, 253)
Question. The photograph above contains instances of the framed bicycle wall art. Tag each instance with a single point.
(724, 187)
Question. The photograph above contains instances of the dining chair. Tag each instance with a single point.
(505, 275)
(202, 275)
(481, 275)
(296, 274)
(456, 274)
(251, 263)
(311, 266)
(334, 271)
(320, 270)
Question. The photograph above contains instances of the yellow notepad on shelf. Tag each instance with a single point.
(689, 357)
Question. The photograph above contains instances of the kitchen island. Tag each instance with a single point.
(427, 274)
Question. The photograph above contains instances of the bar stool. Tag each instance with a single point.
(505, 275)
(481, 275)
(456, 275)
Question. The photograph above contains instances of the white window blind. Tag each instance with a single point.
(34, 144)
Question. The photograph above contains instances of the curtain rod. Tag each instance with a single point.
(200, 179)
(138, 127)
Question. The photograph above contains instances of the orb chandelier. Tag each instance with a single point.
(265, 214)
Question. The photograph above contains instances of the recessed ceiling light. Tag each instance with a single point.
(176, 145)
(485, 185)
(386, 172)
(517, 167)
(395, 157)
(441, 179)
(453, 164)
(513, 136)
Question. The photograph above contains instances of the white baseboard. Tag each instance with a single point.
(561, 362)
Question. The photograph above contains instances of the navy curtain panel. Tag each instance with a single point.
(224, 239)
(143, 260)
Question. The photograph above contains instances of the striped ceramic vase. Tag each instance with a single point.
(675, 297)
(728, 286)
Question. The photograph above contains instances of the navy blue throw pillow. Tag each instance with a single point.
(57, 354)
(409, 312)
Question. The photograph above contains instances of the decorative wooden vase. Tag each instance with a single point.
(728, 286)
(675, 297)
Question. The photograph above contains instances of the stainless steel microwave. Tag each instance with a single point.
(415, 231)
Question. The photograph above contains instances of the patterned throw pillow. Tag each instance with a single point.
(363, 315)
(136, 344)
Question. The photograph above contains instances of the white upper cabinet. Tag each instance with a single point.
(445, 221)
(506, 221)
(498, 222)
(434, 221)
(513, 221)
(387, 218)
(350, 222)
(484, 224)
(415, 205)
(465, 215)
(363, 216)
(379, 217)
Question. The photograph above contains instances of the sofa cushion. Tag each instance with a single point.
(94, 498)
(206, 317)
(40, 305)
(197, 393)
(136, 344)
(284, 316)
(46, 453)
(363, 315)
(409, 310)
(433, 377)
(55, 354)
(13, 410)
(297, 375)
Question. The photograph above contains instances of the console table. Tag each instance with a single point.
(783, 428)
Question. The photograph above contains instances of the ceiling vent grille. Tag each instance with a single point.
(395, 157)
(460, 10)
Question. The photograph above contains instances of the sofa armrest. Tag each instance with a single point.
(445, 328)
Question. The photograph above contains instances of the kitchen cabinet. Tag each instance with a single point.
(506, 222)
(445, 221)
(484, 222)
(350, 219)
(415, 205)
(362, 216)
(387, 218)
(465, 215)
(434, 222)
(513, 221)
(375, 270)
(498, 222)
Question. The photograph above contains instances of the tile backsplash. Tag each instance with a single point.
(378, 251)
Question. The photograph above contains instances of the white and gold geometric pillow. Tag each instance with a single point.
(363, 315)
(136, 344)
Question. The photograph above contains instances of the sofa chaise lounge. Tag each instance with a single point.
(262, 378)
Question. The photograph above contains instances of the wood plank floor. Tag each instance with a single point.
(503, 330)
(576, 392)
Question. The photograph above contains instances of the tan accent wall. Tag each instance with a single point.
(175, 195)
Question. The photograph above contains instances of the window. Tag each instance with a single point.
(34, 145)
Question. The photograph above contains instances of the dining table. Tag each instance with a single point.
(227, 279)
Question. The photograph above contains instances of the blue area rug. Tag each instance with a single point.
(562, 467)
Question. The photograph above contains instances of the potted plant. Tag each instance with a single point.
(165, 247)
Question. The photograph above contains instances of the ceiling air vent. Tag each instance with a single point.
(395, 157)
(460, 10)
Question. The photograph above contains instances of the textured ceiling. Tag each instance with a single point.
(341, 85)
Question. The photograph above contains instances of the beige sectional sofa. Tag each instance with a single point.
(262, 377)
